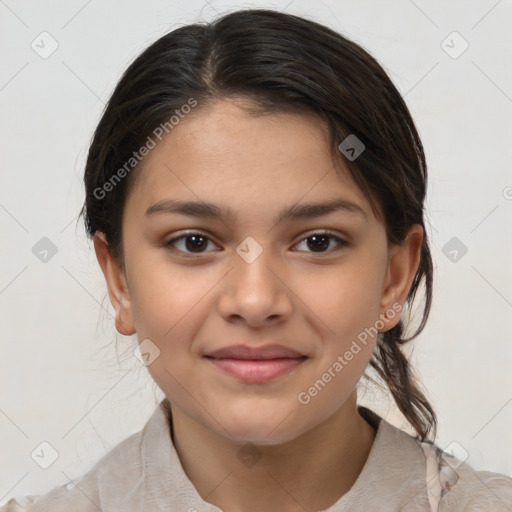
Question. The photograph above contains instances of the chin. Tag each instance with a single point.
(261, 430)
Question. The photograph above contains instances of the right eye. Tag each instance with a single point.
(192, 242)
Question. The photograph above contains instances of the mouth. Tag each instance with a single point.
(251, 364)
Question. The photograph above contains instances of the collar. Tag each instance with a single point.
(393, 474)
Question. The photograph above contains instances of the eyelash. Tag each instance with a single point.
(341, 242)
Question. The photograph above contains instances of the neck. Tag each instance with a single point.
(310, 472)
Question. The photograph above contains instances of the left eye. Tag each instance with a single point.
(322, 240)
(196, 242)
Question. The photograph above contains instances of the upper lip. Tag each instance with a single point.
(247, 352)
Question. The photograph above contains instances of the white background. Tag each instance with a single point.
(60, 378)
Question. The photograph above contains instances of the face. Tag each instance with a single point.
(195, 284)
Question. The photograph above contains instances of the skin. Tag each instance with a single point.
(317, 302)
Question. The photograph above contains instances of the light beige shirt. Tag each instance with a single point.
(143, 473)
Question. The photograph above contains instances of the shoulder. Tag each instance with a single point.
(478, 491)
(407, 474)
(116, 473)
(453, 485)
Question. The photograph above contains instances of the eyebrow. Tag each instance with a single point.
(299, 211)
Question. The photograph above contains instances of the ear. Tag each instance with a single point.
(403, 263)
(117, 285)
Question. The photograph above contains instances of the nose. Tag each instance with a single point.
(255, 291)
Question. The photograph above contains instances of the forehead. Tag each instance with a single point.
(222, 153)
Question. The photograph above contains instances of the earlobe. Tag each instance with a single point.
(116, 284)
(403, 263)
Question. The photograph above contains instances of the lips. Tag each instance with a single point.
(256, 365)
(255, 353)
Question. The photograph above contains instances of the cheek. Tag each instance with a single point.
(345, 299)
(165, 295)
(168, 308)
(346, 306)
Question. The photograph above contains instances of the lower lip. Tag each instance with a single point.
(257, 370)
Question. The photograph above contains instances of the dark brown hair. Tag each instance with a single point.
(281, 62)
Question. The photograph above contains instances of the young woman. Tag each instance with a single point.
(255, 192)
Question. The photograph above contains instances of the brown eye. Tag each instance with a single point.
(189, 243)
(320, 242)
